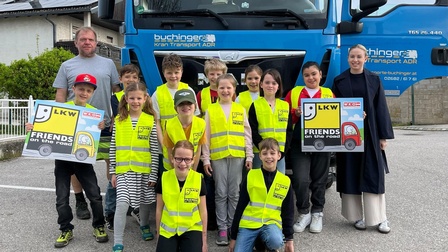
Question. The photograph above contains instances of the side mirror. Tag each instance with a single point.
(106, 9)
(369, 4)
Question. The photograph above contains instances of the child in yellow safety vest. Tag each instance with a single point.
(134, 160)
(229, 147)
(269, 117)
(213, 68)
(83, 89)
(185, 126)
(252, 76)
(128, 74)
(162, 98)
(264, 206)
(310, 169)
(181, 214)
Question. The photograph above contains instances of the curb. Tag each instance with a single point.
(11, 148)
(424, 127)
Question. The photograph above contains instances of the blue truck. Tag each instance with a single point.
(406, 39)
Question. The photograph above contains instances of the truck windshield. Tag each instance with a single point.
(229, 6)
(228, 14)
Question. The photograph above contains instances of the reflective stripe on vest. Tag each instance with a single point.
(264, 207)
(295, 95)
(180, 212)
(176, 133)
(132, 144)
(226, 135)
(272, 124)
(166, 102)
(206, 99)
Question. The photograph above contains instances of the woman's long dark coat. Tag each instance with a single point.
(364, 172)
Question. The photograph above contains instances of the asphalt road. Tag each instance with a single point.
(416, 193)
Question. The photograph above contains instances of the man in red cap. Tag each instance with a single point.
(83, 89)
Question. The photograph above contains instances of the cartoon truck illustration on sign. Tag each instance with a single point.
(322, 127)
(49, 137)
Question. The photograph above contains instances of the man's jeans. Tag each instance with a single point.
(271, 236)
(86, 175)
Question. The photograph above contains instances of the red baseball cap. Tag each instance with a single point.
(86, 79)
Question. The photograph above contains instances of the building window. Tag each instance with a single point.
(109, 40)
(74, 30)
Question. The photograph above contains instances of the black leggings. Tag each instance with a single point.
(190, 241)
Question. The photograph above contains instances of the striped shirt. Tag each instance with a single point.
(132, 187)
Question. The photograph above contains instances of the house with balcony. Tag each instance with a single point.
(28, 27)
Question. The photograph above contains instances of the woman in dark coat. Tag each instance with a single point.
(360, 175)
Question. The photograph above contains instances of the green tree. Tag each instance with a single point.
(4, 73)
(33, 76)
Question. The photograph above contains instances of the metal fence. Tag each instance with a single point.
(14, 114)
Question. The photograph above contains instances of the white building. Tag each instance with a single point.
(30, 27)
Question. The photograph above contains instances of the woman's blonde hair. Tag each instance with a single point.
(359, 46)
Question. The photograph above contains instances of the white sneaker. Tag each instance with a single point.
(316, 222)
(302, 222)
(383, 227)
(360, 225)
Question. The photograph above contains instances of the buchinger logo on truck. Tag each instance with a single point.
(377, 55)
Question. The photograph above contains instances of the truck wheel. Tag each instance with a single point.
(45, 150)
(350, 144)
(81, 154)
(319, 144)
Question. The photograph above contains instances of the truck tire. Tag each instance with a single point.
(81, 154)
(350, 144)
(45, 150)
(319, 144)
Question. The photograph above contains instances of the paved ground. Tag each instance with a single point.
(417, 196)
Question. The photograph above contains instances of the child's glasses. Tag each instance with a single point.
(179, 160)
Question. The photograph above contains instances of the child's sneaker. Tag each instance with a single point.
(117, 248)
(146, 234)
(100, 234)
(222, 239)
(63, 239)
(110, 222)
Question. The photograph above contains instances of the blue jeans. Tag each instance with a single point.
(110, 200)
(271, 236)
(86, 175)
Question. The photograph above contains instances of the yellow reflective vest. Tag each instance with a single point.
(181, 207)
(132, 144)
(176, 133)
(272, 124)
(295, 94)
(226, 135)
(246, 100)
(206, 99)
(265, 206)
(119, 95)
(72, 102)
(166, 102)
